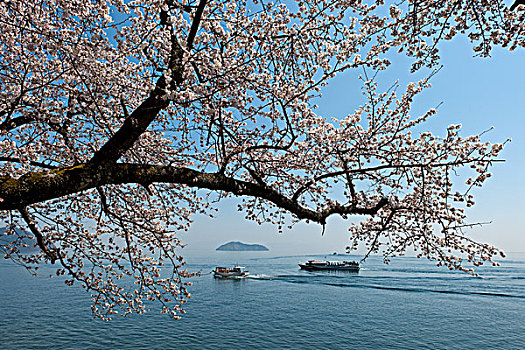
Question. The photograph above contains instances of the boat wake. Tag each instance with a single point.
(410, 289)
(260, 277)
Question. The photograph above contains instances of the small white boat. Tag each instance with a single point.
(230, 272)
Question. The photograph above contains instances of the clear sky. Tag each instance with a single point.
(478, 93)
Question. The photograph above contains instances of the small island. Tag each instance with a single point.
(239, 246)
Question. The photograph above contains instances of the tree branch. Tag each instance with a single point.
(37, 187)
(195, 23)
(137, 123)
(10, 124)
(31, 162)
(39, 237)
(429, 165)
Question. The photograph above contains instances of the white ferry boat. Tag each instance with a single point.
(230, 272)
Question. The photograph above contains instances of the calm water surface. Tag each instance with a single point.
(409, 304)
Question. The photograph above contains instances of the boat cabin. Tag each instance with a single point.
(238, 269)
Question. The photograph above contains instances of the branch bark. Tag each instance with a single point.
(38, 187)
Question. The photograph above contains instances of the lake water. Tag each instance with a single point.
(409, 304)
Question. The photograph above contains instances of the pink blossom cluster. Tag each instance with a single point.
(122, 119)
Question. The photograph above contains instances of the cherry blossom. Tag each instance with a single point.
(120, 120)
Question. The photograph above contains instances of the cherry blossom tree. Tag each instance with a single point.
(120, 120)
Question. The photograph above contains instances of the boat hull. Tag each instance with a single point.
(328, 268)
(229, 275)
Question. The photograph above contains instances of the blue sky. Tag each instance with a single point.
(478, 93)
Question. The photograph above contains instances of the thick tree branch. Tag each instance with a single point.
(195, 23)
(38, 187)
(14, 123)
(137, 123)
